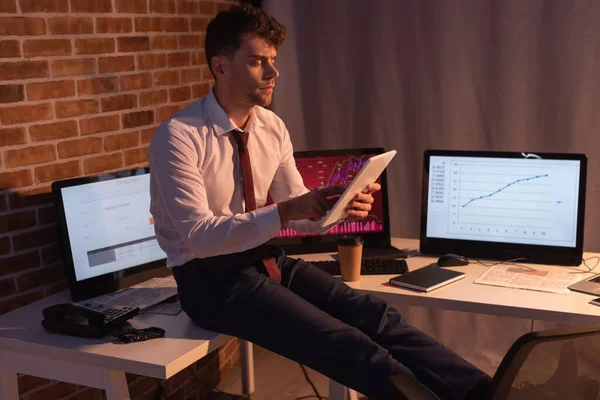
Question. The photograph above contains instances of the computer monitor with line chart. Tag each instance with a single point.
(501, 205)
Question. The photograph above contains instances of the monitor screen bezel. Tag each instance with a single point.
(540, 254)
(101, 284)
(328, 243)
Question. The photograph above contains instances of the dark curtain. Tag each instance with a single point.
(511, 75)
(455, 74)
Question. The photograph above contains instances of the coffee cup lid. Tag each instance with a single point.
(350, 240)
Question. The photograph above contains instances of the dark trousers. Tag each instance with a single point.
(315, 319)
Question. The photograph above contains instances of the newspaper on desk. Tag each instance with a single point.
(143, 295)
(530, 278)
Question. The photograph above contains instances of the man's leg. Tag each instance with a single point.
(437, 367)
(250, 305)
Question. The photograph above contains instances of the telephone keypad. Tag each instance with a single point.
(113, 313)
(86, 319)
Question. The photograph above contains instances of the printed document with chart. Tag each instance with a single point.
(530, 278)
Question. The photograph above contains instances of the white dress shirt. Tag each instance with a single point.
(196, 187)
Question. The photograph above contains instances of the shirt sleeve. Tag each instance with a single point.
(288, 184)
(174, 161)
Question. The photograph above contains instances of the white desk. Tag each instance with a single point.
(466, 296)
(25, 347)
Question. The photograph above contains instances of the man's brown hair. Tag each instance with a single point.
(225, 32)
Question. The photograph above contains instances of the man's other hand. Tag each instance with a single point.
(312, 205)
(360, 205)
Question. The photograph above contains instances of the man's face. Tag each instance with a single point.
(252, 72)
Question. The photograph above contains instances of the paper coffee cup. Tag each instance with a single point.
(350, 257)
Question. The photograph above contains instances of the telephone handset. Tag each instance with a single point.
(90, 320)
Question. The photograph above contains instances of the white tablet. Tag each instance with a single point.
(368, 174)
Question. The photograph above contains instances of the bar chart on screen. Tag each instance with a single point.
(529, 200)
(338, 171)
(330, 171)
(369, 224)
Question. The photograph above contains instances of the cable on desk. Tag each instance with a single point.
(512, 261)
(585, 260)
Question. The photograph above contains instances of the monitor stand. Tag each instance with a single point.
(387, 252)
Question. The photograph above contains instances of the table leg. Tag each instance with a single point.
(247, 367)
(9, 388)
(115, 385)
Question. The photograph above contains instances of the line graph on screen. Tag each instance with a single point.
(507, 186)
(504, 199)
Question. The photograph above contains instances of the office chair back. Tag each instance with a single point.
(561, 363)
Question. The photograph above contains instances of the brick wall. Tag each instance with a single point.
(83, 85)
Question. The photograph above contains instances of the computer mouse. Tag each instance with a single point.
(452, 260)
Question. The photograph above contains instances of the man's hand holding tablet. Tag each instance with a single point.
(360, 205)
(357, 199)
(351, 203)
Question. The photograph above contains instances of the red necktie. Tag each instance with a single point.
(242, 141)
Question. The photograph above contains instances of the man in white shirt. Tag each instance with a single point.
(207, 222)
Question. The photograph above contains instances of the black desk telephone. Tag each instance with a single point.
(91, 320)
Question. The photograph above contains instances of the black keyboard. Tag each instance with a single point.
(369, 267)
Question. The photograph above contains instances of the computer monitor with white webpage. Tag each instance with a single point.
(105, 230)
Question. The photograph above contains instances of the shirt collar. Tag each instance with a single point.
(220, 119)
